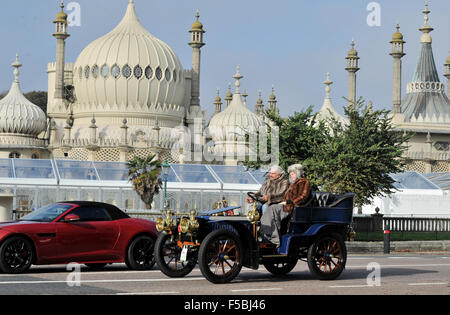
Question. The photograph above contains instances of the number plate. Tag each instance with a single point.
(184, 252)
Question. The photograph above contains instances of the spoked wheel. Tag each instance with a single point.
(140, 253)
(16, 255)
(168, 255)
(327, 256)
(220, 256)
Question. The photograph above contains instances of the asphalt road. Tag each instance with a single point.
(374, 275)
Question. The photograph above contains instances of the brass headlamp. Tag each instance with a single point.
(189, 225)
(253, 215)
(166, 224)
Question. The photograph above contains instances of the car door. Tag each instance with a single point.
(91, 238)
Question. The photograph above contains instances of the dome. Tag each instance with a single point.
(397, 36)
(235, 120)
(128, 70)
(447, 62)
(17, 114)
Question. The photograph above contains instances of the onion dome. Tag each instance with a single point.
(17, 114)
(236, 120)
(352, 53)
(129, 69)
(397, 36)
(197, 25)
(61, 16)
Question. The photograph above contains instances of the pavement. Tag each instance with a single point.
(404, 246)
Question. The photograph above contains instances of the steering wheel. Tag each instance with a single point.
(256, 198)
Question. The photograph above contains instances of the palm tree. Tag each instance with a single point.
(144, 175)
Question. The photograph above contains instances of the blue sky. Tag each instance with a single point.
(290, 44)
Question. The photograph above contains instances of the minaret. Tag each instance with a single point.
(229, 96)
(61, 35)
(196, 44)
(352, 68)
(447, 75)
(397, 53)
(259, 108)
(273, 102)
(218, 103)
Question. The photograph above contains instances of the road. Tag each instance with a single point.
(374, 275)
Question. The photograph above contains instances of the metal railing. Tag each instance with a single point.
(416, 224)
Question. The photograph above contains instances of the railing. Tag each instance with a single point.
(416, 224)
(378, 223)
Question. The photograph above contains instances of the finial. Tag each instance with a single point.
(328, 83)
(426, 28)
(16, 64)
(197, 15)
(238, 77)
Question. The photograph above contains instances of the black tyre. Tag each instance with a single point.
(95, 266)
(16, 255)
(281, 268)
(221, 256)
(327, 256)
(140, 253)
(168, 254)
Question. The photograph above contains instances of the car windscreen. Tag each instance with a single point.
(47, 213)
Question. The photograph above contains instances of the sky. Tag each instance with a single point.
(288, 44)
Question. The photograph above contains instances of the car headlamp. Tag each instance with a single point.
(160, 224)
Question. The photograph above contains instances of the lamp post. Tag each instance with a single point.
(165, 168)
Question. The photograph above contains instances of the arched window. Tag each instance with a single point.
(14, 155)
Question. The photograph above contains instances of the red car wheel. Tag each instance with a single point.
(16, 255)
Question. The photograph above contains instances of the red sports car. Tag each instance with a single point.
(91, 233)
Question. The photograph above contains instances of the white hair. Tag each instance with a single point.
(297, 169)
(277, 169)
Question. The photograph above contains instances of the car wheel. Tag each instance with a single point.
(281, 268)
(16, 255)
(221, 256)
(327, 256)
(95, 266)
(140, 253)
(168, 254)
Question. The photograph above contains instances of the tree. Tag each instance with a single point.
(144, 174)
(359, 157)
(38, 98)
(298, 136)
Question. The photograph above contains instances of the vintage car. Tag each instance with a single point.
(222, 242)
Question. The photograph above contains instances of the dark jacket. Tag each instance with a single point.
(298, 193)
(275, 189)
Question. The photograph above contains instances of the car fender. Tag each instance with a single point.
(289, 240)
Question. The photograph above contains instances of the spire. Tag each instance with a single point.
(426, 29)
(328, 84)
(16, 64)
(328, 109)
(238, 77)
